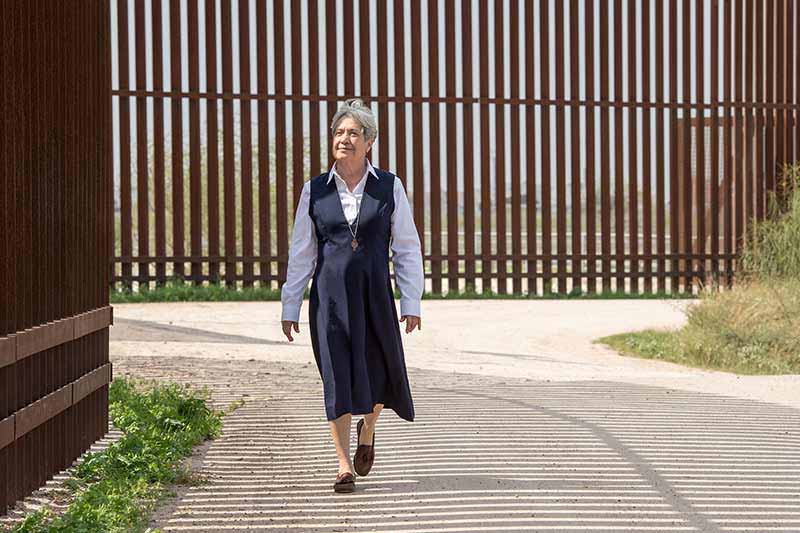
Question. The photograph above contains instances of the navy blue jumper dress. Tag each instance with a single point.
(353, 322)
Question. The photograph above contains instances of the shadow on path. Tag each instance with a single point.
(489, 454)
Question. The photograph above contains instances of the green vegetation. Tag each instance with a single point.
(751, 329)
(117, 488)
(176, 290)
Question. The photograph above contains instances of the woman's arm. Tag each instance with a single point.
(302, 259)
(407, 254)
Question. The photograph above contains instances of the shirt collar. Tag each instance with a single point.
(332, 172)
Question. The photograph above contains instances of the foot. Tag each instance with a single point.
(367, 432)
(365, 452)
(345, 482)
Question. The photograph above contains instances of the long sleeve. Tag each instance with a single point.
(407, 254)
(302, 259)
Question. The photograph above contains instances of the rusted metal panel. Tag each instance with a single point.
(88, 383)
(41, 410)
(40, 338)
(57, 209)
(92, 321)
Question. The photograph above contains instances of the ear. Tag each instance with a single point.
(369, 145)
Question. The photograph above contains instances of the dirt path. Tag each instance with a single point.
(487, 454)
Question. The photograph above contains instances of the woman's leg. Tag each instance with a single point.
(340, 430)
(369, 424)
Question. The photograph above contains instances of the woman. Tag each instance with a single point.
(347, 220)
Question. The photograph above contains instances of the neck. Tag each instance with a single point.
(351, 172)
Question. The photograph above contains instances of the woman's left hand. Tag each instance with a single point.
(412, 322)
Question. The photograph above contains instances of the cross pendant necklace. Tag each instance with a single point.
(354, 242)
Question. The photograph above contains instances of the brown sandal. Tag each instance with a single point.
(365, 453)
(345, 482)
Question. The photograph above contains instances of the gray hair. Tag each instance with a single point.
(356, 109)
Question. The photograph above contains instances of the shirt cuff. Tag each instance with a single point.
(291, 312)
(409, 306)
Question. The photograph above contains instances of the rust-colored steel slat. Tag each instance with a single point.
(142, 144)
(701, 176)
(126, 228)
(264, 189)
(685, 147)
(766, 88)
(416, 125)
(619, 172)
(195, 178)
(560, 147)
(605, 155)
(435, 175)
(281, 187)
(331, 69)
(728, 141)
(212, 143)
(530, 155)
(296, 107)
(246, 140)
(749, 117)
(674, 192)
(228, 156)
(159, 177)
(469, 147)
(515, 168)
(738, 121)
(451, 151)
(790, 39)
(178, 205)
(399, 139)
(546, 195)
(591, 167)
(500, 133)
(633, 149)
(647, 177)
(576, 203)
(315, 138)
(761, 117)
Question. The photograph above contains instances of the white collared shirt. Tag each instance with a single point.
(404, 243)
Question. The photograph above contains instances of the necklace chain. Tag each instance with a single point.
(354, 242)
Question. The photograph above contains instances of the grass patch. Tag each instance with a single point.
(751, 329)
(176, 290)
(116, 489)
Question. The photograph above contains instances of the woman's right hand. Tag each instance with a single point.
(287, 328)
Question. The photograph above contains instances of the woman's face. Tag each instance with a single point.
(349, 141)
